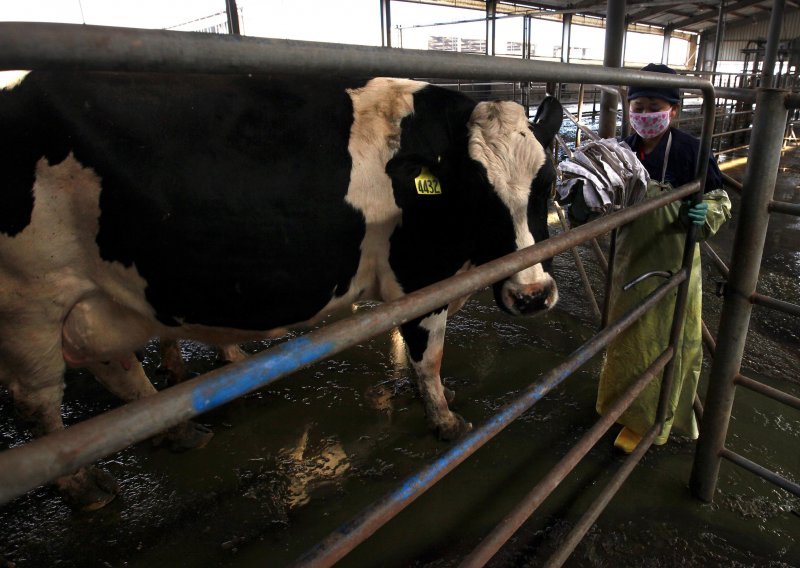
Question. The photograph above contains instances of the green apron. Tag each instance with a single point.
(655, 241)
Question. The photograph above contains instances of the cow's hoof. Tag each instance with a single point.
(449, 395)
(187, 435)
(453, 430)
(88, 489)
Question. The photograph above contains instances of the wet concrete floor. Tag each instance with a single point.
(289, 464)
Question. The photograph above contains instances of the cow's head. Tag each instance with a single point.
(515, 165)
(489, 198)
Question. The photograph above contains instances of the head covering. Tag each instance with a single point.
(669, 94)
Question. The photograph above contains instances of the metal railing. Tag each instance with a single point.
(56, 46)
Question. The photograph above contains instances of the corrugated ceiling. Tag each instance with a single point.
(697, 16)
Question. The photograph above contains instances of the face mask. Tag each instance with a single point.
(650, 124)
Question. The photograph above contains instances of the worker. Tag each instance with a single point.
(655, 242)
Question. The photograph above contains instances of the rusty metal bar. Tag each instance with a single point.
(784, 207)
(755, 297)
(44, 459)
(587, 286)
(602, 501)
(352, 533)
(768, 391)
(71, 46)
(598, 252)
(735, 184)
(712, 254)
(612, 253)
(760, 471)
(747, 382)
(775, 304)
(528, 505)
(581, 92)
(583, 128)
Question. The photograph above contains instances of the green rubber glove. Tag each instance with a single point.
(697, 213)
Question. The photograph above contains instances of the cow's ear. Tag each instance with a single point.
(547, 121)
(414, 177)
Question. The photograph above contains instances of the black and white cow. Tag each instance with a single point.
(226, 208)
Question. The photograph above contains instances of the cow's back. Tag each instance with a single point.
(222, 192)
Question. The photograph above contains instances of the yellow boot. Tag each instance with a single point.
(627, 440)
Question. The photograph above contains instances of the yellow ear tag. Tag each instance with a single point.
(427, 183)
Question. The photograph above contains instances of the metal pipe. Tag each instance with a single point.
(386, 23)
(587, 286)
(582, 127)
(491, 21)
(756, 298)
(581, 90)
(784, 207)
(708, 339)
(760, 471)
(528, 505)
(61, 453)
(730, 132)
(598, 252)
(72, 46)
(721, 266)
(734, 184)
(597, 507)
(768, 391)
(352, 533)
(566, 28)
(232, 13)
(612, 57)
(773, 39)
(775, 304)
(612, 254)
(718, 36)
(762, 170)
(665, 45)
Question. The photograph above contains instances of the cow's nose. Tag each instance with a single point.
(530, 303)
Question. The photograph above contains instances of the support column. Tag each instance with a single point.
(773, 39)
(386, 23)
(491, 20)
(718, 38)
(748, 248)
(665, 46)
(612, 57)
(233, 17)
(566, 30)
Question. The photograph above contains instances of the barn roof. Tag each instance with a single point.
(695, 16)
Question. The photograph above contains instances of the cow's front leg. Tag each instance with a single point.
(424, 339)
(125, 378)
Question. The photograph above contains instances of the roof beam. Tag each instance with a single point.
(649, 13)
(753, 19)
(712, 14)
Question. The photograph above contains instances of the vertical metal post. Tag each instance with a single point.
(748, 248)
(612, 57)
(773, 38)
(612, 254)
(699, 47)
(665, 45)
(491, 20)
(581, 92)
(718, 38)
(233, 17)
(525, 87)
(566, 29)
(386, 23)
